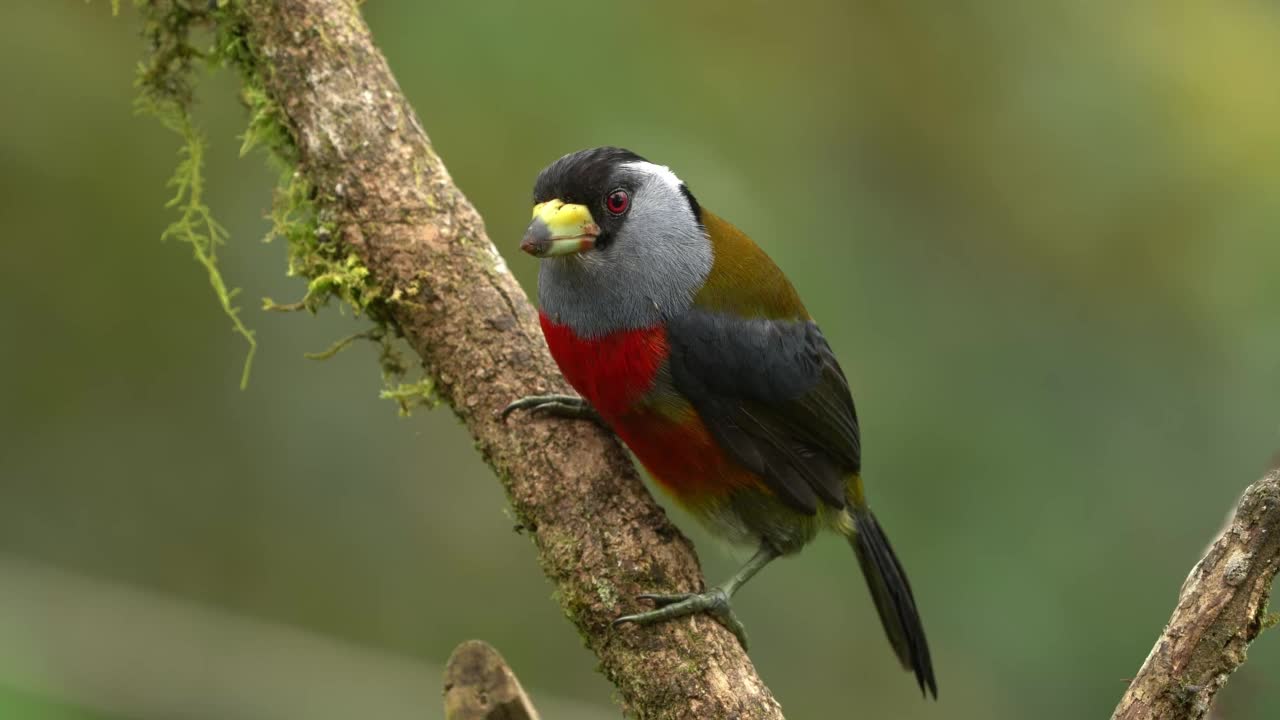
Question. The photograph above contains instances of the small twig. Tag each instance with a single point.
(1221, 609)
(339, 346)
(479, 685)
(272, 306)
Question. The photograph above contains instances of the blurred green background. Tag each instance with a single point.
(1042, 237)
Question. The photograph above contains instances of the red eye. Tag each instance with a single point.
(617, 201)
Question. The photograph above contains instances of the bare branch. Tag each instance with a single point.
(479, 685)
(601, 539)
(1221, 609)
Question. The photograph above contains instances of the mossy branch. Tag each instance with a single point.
(1221, 609)
(372, 218)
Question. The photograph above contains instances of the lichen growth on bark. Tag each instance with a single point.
(166, 91)
(166, 82)
(412, 394)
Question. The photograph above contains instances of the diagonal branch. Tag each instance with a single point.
(600, 537)
(1222, 607)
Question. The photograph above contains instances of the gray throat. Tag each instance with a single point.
(633, 284)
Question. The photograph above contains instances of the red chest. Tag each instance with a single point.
(612, 372)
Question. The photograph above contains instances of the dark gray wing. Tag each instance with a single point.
(773, 396)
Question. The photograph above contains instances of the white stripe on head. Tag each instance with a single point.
(661, 172)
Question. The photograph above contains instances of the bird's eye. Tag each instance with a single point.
(617, 201)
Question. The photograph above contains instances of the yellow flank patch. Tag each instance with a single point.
(855, 491)
(675, 408)
(842, 522)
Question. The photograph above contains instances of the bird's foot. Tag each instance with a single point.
(714, 602)
(567, 406)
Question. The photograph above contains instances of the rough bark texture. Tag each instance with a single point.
(600, 537)
(479, 685)
(1221, 609)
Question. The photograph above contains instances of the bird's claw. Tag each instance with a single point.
(714, 602)
(567, 406)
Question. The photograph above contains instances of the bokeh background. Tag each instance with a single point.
(1042, 237)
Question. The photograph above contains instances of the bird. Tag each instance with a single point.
(684, 338)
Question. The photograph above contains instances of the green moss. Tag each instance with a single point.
(315, 251)
(339, 346)
(1270, 620)
(410, 395)
(607, 594)
(265, 128)
(196, 227)
(166, 92)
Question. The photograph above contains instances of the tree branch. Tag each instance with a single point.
(479, 685)
(1221, 609)
(600, 537)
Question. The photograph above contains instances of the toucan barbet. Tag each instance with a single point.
(684, 338)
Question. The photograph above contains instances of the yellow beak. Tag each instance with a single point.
(559, 229)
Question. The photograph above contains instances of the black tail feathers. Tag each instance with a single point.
(892, 594)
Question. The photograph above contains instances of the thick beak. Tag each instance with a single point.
(559, 229)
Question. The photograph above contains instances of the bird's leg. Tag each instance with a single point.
(714, 601)
(568, 406)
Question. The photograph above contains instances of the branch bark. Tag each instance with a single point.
(479, 685)
(600, 537)
(1221, 609)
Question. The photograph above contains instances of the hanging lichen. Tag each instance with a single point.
(166, 81)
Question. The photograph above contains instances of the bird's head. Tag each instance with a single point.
(621, 240)
(590, 202)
